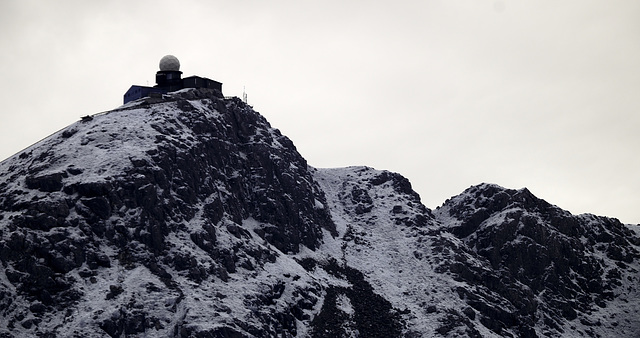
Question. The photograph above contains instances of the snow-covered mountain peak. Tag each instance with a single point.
(188, 215)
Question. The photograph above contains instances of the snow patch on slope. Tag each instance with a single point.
(394, 257)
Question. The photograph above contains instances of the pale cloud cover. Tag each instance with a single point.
(537, 94)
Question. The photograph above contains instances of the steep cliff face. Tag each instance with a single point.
(121, 206)
(190, 216)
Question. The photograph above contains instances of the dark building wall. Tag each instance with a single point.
(201, 82)
(169, 81)
(138, 92)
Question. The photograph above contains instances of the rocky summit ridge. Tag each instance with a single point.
(188, 215)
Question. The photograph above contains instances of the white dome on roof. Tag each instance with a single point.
(169, 63)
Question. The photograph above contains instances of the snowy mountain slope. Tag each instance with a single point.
(388, 235)
(190, 216)
(158, 191)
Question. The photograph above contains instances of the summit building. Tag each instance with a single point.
(169, 79)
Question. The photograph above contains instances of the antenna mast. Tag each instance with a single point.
(244, 95)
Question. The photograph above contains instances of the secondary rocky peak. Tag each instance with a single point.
(563, 265)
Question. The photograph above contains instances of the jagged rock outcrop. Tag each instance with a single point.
(548, 269)
(190, 216)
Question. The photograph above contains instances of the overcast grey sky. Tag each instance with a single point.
(537, 94)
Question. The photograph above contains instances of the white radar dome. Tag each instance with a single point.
(169, 63)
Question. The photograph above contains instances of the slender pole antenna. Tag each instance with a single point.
(244, 95)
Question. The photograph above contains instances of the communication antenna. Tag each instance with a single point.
(244, 95)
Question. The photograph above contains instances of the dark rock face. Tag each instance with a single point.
(542, 262)
(373, 315)
(201, 159)
(190, 216)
